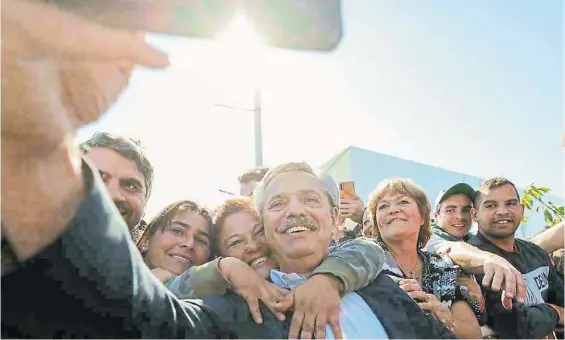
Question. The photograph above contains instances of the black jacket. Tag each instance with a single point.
(400, 316)
(535, 318)
(92, 283)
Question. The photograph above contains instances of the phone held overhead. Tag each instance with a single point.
(313, 25)
(347, 190)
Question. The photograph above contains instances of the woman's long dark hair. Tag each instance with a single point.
(163, 220)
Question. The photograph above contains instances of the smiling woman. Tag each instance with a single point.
(240, 234)
(400, 213)
(177, 238)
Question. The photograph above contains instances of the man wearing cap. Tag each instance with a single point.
(452, 223)
(452, 216)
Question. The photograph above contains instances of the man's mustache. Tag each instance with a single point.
(303, 221)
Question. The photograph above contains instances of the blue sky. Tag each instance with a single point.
(470, 86)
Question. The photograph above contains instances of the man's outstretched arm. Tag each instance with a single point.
(356, 263)
(499, 274)
(551, 239)
(92, 282)
(77, 272)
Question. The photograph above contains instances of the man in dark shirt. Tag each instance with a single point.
(498, 214)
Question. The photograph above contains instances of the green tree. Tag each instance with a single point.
(533, 198)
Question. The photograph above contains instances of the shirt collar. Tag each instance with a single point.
(284, 280)
(483, 238)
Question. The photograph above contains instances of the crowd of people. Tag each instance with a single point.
(179, 244)
(78, 259)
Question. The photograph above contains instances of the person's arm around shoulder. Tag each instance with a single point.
(434, 243)
(198, 281)
(347, 267)
(355, 262)
(475, 261)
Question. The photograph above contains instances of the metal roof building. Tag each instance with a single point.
(367, 168)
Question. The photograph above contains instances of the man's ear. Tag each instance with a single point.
(474, 215)
(335, 216)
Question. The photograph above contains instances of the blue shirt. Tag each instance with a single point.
(356, 319)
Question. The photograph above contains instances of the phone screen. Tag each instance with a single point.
(347, 190)
(292, 24)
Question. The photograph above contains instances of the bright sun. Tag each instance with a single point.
(240, 34)
(241, 57)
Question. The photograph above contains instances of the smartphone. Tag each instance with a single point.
(347, 190)
(290, 24)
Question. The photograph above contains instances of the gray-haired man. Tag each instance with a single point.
(298, 213)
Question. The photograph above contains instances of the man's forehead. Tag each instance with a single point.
(502, 192)
(456, 200)
(112, 162)
(294, 182)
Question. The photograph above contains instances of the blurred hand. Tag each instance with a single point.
(316, 303)
(60, 72)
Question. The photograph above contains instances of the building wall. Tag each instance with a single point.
(368, 168)
(340, 167)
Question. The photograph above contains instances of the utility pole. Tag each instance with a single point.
(257, 124)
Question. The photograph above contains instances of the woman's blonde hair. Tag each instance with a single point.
(408, 188)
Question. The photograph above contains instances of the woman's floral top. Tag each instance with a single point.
(438, 278)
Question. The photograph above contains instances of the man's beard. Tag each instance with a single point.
(132, 220)
(492, 232)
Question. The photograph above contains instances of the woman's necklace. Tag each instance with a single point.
(411, 271)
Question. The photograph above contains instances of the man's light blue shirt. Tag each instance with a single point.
(356, 318)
